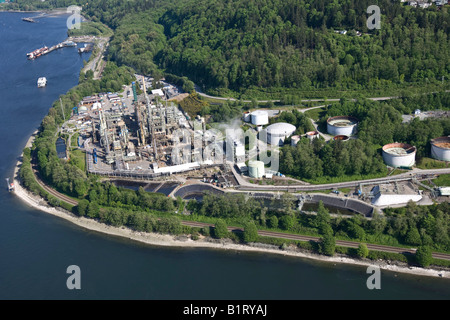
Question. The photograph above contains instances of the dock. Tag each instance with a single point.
(43, 51)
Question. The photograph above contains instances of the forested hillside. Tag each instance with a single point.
(234, 45)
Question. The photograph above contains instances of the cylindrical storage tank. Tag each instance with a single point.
(312, 134)
(256, 169)
(277, 132)
(82, 109)
(247, 117)
(440, 148)
(342, 125)
(295, 140)
(260, 117)
(341, 137)
(399, 155)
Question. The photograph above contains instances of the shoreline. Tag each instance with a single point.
(164, 240)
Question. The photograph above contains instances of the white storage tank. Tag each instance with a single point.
(399, 155)
(295, 140)
(260, 117)
(277, 132)
(440, 148)
(342, 125)
(256, 169)
(312, 135)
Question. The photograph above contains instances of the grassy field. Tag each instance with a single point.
(443, 180)
(315, 114)
(90, 28)
(428, 163)
(77, 157)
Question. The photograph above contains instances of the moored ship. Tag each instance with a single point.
(42, 82)
(37, 53)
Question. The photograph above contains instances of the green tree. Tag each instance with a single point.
(273, 222)
(424, 256)
(92, 210)
(328, 242)
(362, 250)
(413, 237)
(82, 207)
(286, 222)
(250, 232)
(220, 229)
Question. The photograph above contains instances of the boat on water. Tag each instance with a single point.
(10, 185)
(29, 20)
(37, 53)
(42, 82)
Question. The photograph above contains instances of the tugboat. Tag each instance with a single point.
(10, 185)
(42, 82)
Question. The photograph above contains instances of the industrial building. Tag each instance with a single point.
(440, 148)
(386, 195)
(277, 132)
(342, 125)
(399, 155)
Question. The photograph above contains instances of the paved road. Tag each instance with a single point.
(198, 90)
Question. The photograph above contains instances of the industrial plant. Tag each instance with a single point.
(146, 136)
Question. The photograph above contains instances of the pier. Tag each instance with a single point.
(70, 42)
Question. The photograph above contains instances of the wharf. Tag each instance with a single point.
(43, 51)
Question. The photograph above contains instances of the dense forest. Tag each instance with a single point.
(235, 45)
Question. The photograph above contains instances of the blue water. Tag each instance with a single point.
(36, 248)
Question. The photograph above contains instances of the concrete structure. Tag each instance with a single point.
(440, 148)
(260, 117)
(247, 117)
(399, 155)
(342, 125)
(256, 169)
(277, 132)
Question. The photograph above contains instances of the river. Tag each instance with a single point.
(36, 248)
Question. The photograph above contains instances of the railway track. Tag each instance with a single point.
(53, 192)
(262, 233)
(342, 243)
